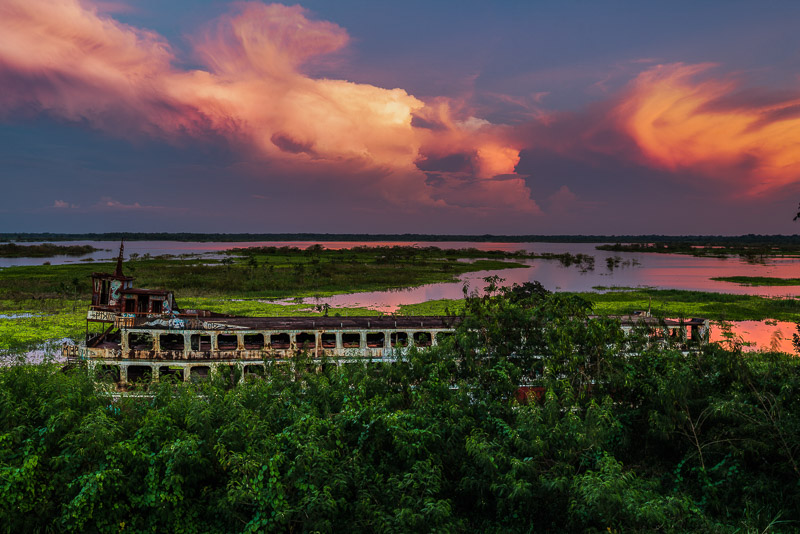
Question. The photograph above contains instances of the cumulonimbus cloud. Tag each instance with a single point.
(64, 58)
(680, 118)
(685, 121)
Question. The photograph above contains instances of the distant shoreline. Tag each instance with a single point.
(22, 237)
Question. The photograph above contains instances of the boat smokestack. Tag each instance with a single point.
(118, 271)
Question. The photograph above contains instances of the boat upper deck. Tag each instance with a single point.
(312, 323)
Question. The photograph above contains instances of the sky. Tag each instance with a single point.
(355, 116)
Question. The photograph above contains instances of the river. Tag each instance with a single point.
(636, 269)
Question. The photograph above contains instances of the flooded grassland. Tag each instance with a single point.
(44, 302)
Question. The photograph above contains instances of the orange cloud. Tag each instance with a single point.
(62, 58)
(712, 126)
(65, 58)
(491, 152)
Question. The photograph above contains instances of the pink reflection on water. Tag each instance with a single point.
(649, 269)
(760, 335)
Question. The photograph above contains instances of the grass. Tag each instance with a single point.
(662, 302)
(749, 251)
(286, 273)
(759, 280)
(616, 288)
(433, 307)
(57, 295)
(56, 319)
(247, 284)
(262, 308)
(678, 303)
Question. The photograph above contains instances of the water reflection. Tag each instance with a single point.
(757, 335)
(679, 273)
(632, 269)
(620, 269)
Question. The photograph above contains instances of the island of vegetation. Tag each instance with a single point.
(759, 280)
(45, 250)
(746, 249)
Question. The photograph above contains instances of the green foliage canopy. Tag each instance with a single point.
(623, 436)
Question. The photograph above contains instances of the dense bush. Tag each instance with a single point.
(624, 437)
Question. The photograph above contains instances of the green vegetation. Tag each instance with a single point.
(27, 323)
(433, 307)
(26, 332)
(261, 273)
(241, 284)
(678, 303)
(662, 302)
(245, 282)
(662, 441)
(748, 250)
(45, 250)
(759, 280)
(265, 308)
(617, 288)
(30, 323)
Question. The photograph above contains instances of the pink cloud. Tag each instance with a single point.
(682, 118)
(66, 59)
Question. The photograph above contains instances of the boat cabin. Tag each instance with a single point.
(113, 295)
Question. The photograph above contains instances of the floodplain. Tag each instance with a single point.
(445, 439)
(43, 302)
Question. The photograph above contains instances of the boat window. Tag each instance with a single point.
(328, 341)
(306, 340)
(351, 340)
(279, 341)
(227, 342)
(399, 339)
(201, 342)
(375, 340)
(254, 341)
(140, 341)
(171, 342)
(422, 339)
(441, 337)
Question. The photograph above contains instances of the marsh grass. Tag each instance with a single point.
(45, 250)
(662, 302)
(247, 283)
(56, 296)
(759, 280)
(433, 307)
(750, 251)
(679, 303)
(287, 272)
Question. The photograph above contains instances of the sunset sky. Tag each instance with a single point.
(550, 117)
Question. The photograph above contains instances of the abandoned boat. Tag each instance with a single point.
(144, 334)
